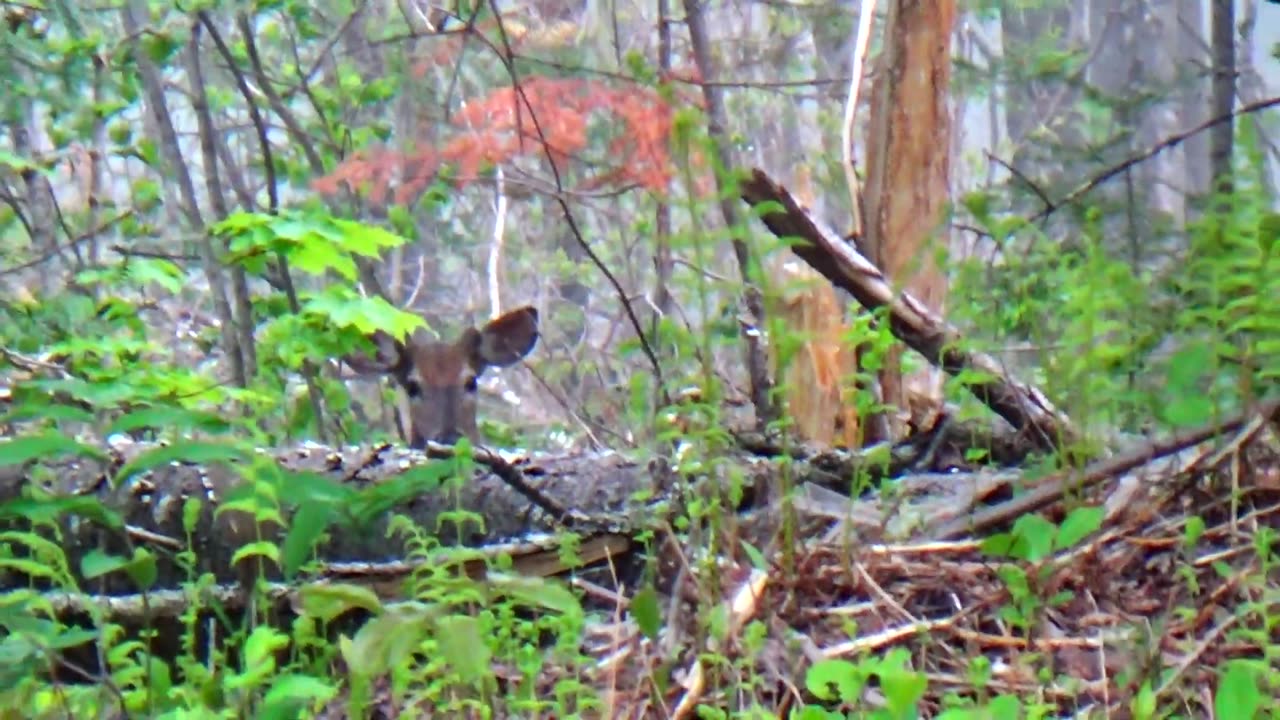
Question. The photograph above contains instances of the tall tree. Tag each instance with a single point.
(1224, 91)
(909, 166)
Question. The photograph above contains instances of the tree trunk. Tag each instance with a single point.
(1224, 92)
(908, 170)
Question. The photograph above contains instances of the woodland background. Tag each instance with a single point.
(402, 127)
(204, 205)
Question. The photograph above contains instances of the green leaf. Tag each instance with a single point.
(835, 680)
(71, 637)
(1187, 410)
(20, 165)
(647, 612)
(292, 692)
(1005, 707)
(33, 568)
(377, 499)
(164, 273)
(241, 221)
(463, 646)
(146, 192)
(308, 524)
(1193, 529)
(259, 658)
(182, 452)
(1079, 524)
(1187, 366)
(142, 569)
(150, 155)
(1143, 704)
(305, 486)
(1269, 234)
(341, 308)
(539, 592)
(43, 446)
(46, 409)
(44, 510)
(1238, 695)
(979, 205)
(384, 641)
(297, 229)
(20, 660)
(1035, 537)
(160, 45)
(903, 688)
(327, 601)
(367, 240)
(170, 418)
(318, 258)
(260, 548)
(262, 644)
(96, 563)
(1003, 545)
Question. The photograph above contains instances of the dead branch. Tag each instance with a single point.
(1025, 407)
(1167, 143)
(1052, 488)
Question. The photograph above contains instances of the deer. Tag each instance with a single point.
(440, 378)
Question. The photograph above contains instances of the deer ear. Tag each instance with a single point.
(389, 356)
(506, 338)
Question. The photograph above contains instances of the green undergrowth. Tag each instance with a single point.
(1125, 341)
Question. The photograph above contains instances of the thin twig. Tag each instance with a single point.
(1165, 144)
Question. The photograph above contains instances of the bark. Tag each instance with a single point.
(909, 168)
(1224, 92)
(39, 220)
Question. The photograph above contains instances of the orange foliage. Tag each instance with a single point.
(501, 127)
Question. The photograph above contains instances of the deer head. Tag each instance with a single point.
(440, 377)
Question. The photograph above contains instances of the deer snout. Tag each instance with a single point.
(447, 437)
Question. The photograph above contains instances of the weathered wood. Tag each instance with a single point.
(1023, 406)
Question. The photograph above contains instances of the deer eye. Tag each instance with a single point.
(412, 388)
(470, 385)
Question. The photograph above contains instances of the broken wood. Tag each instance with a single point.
(1053, 488)
(1022, 405)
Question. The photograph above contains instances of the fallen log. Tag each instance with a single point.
(173, 501)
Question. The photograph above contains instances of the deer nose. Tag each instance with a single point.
(447, 437)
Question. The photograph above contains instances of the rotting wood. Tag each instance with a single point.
(1023, 406)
